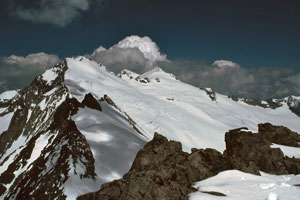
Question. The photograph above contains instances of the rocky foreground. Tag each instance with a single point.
(163, 171)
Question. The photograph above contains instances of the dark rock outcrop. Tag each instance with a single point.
(44, 110)
(251, 152)
(279, 135)
(163, 171)
(292, 102)
(91, 102)
(248, 152)
(294, 105)
(210, 93)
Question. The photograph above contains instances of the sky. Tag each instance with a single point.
(258, 36)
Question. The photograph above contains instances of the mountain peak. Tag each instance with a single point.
(157, 72)
(126, 73)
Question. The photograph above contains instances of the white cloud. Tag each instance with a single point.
(56, 12)
(17, 72)
(227, 77)
(221, 66)
(294, 79)
(135, 53)
(140, 54)
(38, 60)
(225, 64)
(149, 48)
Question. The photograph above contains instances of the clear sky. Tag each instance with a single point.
(253, 33)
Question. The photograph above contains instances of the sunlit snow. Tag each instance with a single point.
(8, 94)
(5, 121)
(49, 75)
(177, 110)
(237, 185)
(113, 142)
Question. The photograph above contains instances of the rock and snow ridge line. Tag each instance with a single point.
(43, 153)
(157, 101)
(161, 170)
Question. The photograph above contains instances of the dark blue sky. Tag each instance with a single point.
(251, 33)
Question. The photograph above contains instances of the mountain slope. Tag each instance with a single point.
(45, 155)
(78, 125)
(157, 101)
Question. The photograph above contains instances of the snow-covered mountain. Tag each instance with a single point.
(79, 125)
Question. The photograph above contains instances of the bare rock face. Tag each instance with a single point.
(44, 110)
(294, 105)
(163, 171)
(251, 152)
(279, 135)
(91, 102)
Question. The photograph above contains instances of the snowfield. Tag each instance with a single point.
(237, 185)
(158, 102)
(113, 145)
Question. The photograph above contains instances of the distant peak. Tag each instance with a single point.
(157, 72)
(80, 58)
(128, 74)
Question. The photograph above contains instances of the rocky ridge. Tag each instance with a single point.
(291, 101)
(163, 171)
(42, 147)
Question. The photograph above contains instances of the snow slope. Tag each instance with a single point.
(8, 95)
(158, 102)
(113, 143)
(5, 121)
(237, 185)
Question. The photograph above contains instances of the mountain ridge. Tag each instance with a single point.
(79, 124)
